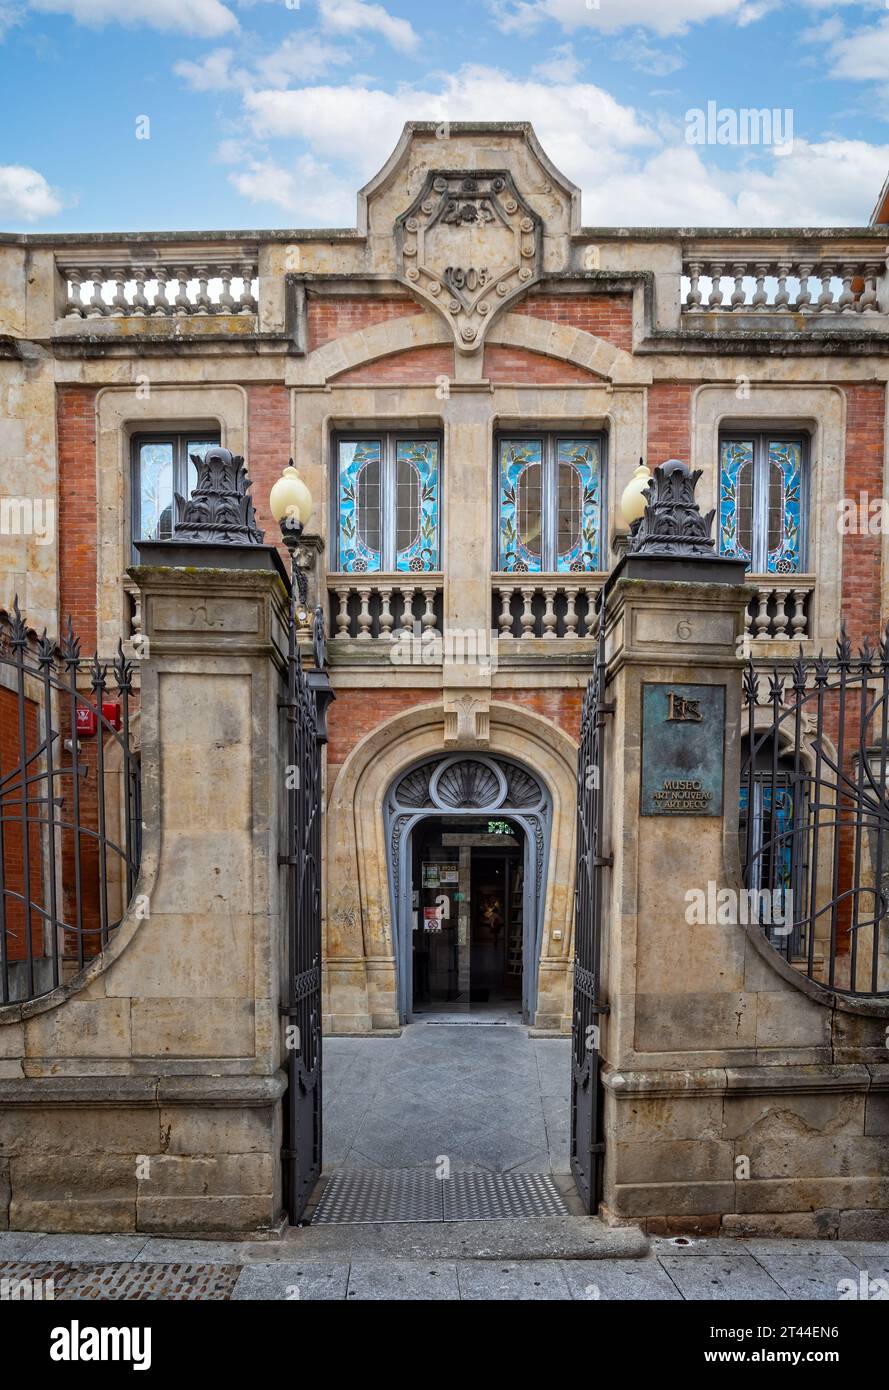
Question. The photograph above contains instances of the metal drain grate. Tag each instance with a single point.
(354, 1196)
(499, 1196)
(357, 1196)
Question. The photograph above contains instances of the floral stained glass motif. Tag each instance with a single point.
(785, 502)
(360, 510)
(579, 505)
(521, 505)
(761, 502)
(736, 498)
(416, 505)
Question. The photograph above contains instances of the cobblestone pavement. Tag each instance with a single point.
(133, 1267)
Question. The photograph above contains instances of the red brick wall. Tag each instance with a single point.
(865, 406)
(560, 707)
(608, 316)
(420, 364)
(355, 713)
(268, 450)
(330, 318)
(77, 509)
(12, 912)
(512, 364)
(669, 423)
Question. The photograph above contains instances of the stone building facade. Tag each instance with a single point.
(467, 380)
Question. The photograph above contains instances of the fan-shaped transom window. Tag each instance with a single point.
(387, 500)
(466, 783)
(763, 481)
(549, 503)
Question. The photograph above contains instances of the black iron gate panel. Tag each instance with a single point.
(814, 814)
(587, 1139)
(302, 1005)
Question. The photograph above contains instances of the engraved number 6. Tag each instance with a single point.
(683, 629)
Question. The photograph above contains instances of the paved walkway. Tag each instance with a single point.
(484, 1095)
(127, 1266)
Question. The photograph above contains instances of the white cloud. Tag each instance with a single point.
(863, 56)
(580, 125)
(562, 65)
(11, 13)
(25, 194)
(632, 171)
(355, 16)
(212, 73)
(663, 16)
(309, 191)
(208, 19)
(657, 62)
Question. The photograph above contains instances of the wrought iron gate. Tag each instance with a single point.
(587, 1144)
(302, 857)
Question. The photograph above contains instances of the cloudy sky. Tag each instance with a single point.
(119, 115)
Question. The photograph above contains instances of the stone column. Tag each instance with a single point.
(151, 1096)
(730, 1100)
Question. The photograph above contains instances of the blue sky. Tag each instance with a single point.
(271, 113)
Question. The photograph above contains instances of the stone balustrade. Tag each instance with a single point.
(786, 283)
(123, 287)
(381, 607)
(781, 610)
(550, 606)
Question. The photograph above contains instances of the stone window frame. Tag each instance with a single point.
(549, 435)
(818, 411)
(179, 438)
(760, 440)
(121, 412)
(390, 433)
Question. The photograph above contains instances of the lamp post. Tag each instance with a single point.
(291, 505)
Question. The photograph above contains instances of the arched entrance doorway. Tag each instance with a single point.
(468, 844)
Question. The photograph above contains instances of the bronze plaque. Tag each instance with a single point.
(683, 749)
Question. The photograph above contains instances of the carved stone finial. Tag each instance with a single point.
(672, 524)
(220, 509)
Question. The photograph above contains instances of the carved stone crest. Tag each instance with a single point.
(468, 245)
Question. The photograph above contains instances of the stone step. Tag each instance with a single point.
(540, 1238)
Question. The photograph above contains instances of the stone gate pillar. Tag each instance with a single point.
(728, 1103)
(145, 1093)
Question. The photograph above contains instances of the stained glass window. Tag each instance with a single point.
(162, 467)
(549, 513)
(388, 504)
(762, 502)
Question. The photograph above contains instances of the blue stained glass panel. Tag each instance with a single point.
(520, 505)
(578, 540)
(416, 487)
(736, 498)
(785, 460)
(360, 506)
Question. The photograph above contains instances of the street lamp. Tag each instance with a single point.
(290, 502)
(634, 499)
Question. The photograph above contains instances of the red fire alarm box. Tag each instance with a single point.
(111, 714)
(87, 721)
